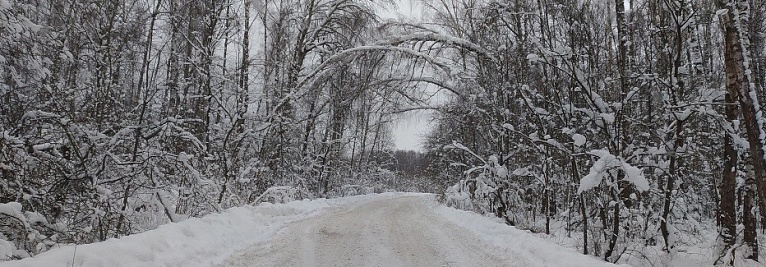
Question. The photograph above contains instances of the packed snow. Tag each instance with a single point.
(193, 242)
(365, 230)
(411, 230)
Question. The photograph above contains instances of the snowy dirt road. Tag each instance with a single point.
(390, 232)
(391, 229)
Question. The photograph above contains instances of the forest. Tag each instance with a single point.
(626, 124)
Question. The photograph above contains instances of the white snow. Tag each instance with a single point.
(231, 236)
(683, 114)
(460, 146)
(511, 241)
(635, 176)
(13, 209)
(411, 230)
(6, 248)
(5, 5)
(578, 139)
(608, 117)
(533, 58)
(501, 171)
(435, 37)
(193, 242)
(597, 171)
(606, 162)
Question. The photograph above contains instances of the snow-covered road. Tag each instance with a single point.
(402, 231)
(392, 229)
(395, 232)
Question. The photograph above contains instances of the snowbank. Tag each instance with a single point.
(516, 241)
(212, 239)
(194, 242)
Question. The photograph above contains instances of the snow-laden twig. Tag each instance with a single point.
(606, 162)
(436, 37)
(460, 146)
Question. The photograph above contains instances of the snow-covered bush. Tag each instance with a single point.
(24, 232)
(460, 195)
(354, 190)
(488, 188)
(282, 194)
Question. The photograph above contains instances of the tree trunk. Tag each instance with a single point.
(547, 199)
(243, 98)
(615, 227)
(583, 209)
(676, 96)
(758, 63)
(727, 208)
(739, 82)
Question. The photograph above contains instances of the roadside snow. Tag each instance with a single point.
(402, 229)
(196, 241)
(539, 252)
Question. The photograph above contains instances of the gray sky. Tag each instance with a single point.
(411, 128)
(408, 9)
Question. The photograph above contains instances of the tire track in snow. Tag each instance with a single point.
(391, 232)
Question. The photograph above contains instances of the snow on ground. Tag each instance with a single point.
(514, 241)
(392, 232)
(393, 229)
(696, 247)
(406, 231)
(194, 242)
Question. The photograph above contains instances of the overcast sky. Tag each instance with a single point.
(411, 128)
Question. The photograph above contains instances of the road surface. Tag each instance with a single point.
(392, 232)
